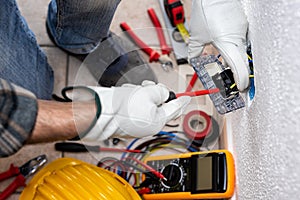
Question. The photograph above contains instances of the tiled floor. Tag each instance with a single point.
(65, 67)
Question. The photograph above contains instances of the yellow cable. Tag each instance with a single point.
(232, 86)
(249, 57)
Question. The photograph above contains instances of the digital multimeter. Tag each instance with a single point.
(197, 175)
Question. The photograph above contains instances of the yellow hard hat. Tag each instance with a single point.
(68, 178)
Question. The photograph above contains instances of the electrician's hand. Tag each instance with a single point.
(134, 111)
(223, 24)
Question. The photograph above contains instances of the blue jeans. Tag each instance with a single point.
(77, 26)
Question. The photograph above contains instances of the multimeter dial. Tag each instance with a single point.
(176, 172)
(174, 175)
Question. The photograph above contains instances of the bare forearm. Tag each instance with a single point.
(61, 121)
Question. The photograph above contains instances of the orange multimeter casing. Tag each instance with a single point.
(197, 175)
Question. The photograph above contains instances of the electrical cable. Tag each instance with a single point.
(129, 146)
(131, 165)
(155, 172)
(172, 125)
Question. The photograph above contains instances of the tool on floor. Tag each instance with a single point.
(77, 147)
(175, 13)
(213, 74)
(165, 48)
(69, 178)
(197, 175)
(179, 47)
(165, 60)
(172, 94)
(21, 174)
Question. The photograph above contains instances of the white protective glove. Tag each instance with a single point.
(134, 111)
(223, 24)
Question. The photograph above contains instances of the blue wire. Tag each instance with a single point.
(166, 133)
(129, 146)
(174, 138)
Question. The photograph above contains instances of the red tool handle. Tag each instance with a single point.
(9, 173)
(18, 182)
(165, 49)
(192, 82)
(153, 55)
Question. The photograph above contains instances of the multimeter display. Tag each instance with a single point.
(204, 174)
(209, 175)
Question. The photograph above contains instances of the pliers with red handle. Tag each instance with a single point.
(163, 58)
(21, 174)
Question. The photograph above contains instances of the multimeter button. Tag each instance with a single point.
(173, 174)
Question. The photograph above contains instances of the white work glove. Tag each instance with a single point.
(223, 24)
(134, 111)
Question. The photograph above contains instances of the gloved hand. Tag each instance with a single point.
(224, 24)
(134, 111)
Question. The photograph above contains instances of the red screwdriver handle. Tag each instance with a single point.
(165, 49)
(153, 55)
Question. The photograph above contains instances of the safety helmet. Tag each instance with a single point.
(68, 178)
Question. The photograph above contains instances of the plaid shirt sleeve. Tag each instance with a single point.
(18, 111)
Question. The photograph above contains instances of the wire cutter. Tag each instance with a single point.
(21, 174)
(163, 58)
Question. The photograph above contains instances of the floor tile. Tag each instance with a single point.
(139, 20)
(78, 74)
(13, 197)
(35, 13)
(58, 61)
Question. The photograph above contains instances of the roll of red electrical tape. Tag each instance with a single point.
(197, 124)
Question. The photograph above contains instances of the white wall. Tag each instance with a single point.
(267, 135)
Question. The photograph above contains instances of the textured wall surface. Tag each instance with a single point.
(267, 134)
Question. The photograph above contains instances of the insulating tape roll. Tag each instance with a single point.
(197, 124)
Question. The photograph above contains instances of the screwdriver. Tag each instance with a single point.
(172, 94)
(77, 147)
